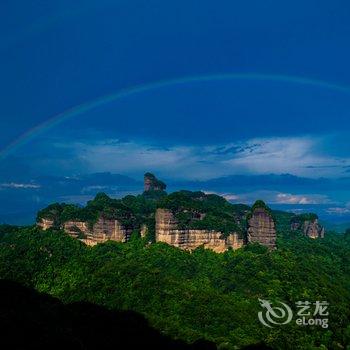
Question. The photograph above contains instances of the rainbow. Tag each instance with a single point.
(88, 106)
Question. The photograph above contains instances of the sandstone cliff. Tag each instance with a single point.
(45, 224)
(167, 231)
(101, 231)
(261, 226)
(187, 219)
(309, 226)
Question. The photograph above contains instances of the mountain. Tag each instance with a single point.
(94, 296)
(195, 266)
(185, 219)
(24, 197)
(337, 227)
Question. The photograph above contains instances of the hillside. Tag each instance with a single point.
(185, 219)
(35, 320)
(192, 295)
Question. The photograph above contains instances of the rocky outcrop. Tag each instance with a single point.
(143, 230)
(151, 183)
(184, 226)
(101, 231)
(45, 224)
(261, 227)
(310, 228)
(76, 229)
(167, 231)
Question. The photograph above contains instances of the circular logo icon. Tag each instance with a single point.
(274, 315)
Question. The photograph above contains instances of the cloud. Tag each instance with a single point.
(338, 211)
(293, 155)
(288, 198)
(274, 197)
(231, 196)
(19, 185)
(228, 196)
(299, 156)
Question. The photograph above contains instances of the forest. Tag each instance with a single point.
(190, 297)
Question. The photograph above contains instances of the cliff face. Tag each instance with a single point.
(76, 229)
(102, 231)
(261, 228)
(143, 230)
(167, 231)
(45, 224)
(182, 222)
(310, 228)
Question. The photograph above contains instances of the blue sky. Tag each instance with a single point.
(292, 118)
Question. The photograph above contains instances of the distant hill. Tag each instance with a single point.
(340, 228)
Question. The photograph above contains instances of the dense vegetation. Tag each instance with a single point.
(131, 211)
(260, 204)
(188, 296)
(304, 217)
(192, 295)
(198, 210)
(33, 320)
(195, 210)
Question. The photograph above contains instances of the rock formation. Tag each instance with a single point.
(101, 231)
(192, 219)
(151, 183)
(45, 224)
(143, 231)
(308, 224)
(76, 228)
(261, 226)
(167, 231)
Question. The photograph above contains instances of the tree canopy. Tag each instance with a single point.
(190, 296)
